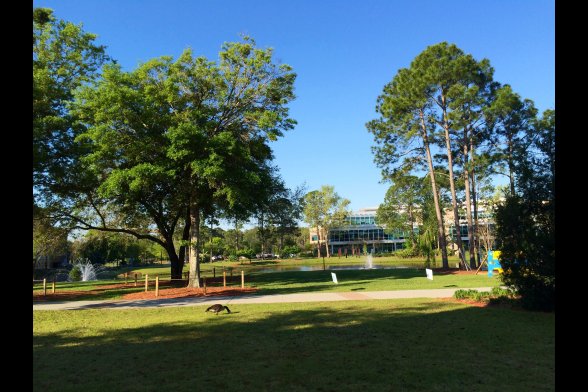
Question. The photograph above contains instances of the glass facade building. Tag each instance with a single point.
(362, 232)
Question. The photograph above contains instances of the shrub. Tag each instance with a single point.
(288, 250)
(406, 253)
(496, 295)
(464, 294)
(75, 275)
(526, 230)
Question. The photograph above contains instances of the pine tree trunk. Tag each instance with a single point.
(475, 203)
(452, 184)
(440, 225)
(510, 158)
(468, 201)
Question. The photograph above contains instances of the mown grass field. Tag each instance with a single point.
(383, 345)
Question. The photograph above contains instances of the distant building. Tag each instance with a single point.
(363, 230)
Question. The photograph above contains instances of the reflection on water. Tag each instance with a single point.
(320, 268)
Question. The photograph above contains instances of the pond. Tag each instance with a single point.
(288, 268)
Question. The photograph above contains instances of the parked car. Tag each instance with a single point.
(217, 258)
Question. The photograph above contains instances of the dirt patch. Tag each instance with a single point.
(187, 292)
(478, 304)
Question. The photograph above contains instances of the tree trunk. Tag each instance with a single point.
(186, 238)
(468, 200)
(475, 203)
(318, 242)
(440, 225)
(411, 220)
(176, 265)
(195, 247)
(236, 236)
(211, 250)
(452, 183)
(510, 160)
(262, 236)
(327, 243)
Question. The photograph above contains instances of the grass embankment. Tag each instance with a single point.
(384, 345)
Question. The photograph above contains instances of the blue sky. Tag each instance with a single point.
(344, 52)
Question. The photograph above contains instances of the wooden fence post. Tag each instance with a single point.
(146, 282)
(157, 285)
(231, 271)
(224, 279)
(204, 279)
(53, 286)
(214, 272)
(242, 279)
(135, 280)
(126, 276)
(44, 286)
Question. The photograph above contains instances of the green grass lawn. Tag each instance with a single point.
(306, 281)
(364, 280)
(383, 345)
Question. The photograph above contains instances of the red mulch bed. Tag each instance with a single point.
(174, 292)
(188, 292)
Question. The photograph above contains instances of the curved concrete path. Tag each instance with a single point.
(250, 299)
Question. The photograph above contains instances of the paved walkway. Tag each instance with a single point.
(250, 299)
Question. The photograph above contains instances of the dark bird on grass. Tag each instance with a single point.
(217, 308)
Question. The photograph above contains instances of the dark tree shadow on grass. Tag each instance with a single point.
(422, 346)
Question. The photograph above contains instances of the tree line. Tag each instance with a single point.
(445, 127)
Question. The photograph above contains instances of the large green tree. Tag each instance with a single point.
(325, 209)
(173, 141)
(439, 100)
(404, 134)
(457, 85)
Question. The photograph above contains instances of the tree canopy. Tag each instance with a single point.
(65, 57)
(173, 141)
